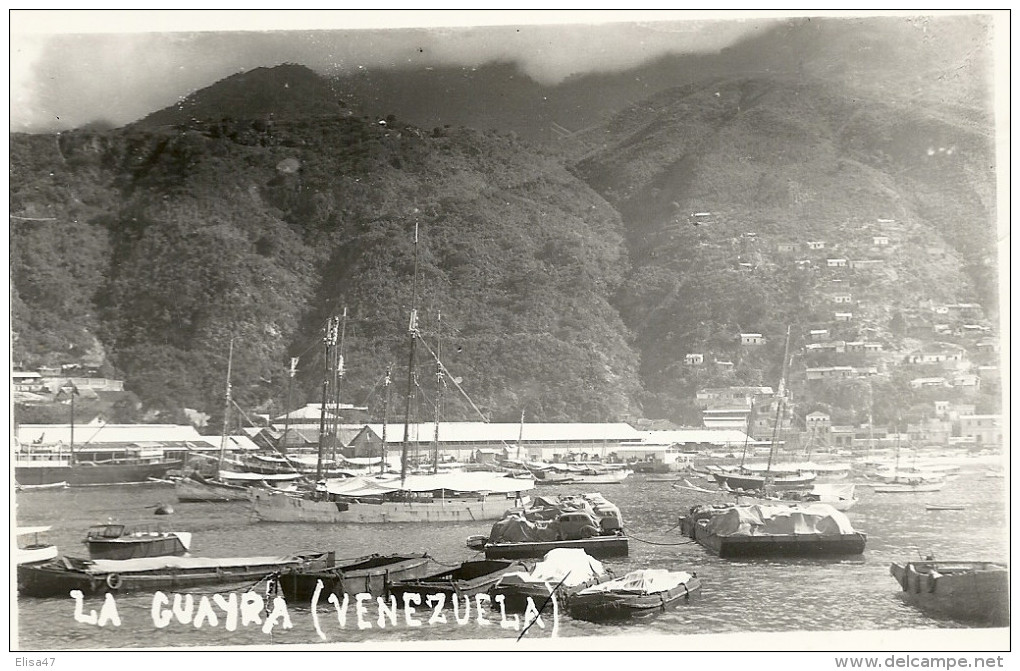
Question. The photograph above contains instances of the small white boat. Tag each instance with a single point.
(33, 550)
(29, 488)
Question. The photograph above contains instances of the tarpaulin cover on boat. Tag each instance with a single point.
(551, 507)
(643, 581)
(515, 528)
(759, 520)
(540, 521)
(567, 566)
(458, 482)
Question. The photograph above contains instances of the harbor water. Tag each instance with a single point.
(738, 597)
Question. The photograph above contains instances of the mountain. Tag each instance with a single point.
(573, 278)
(284, 91)
(939, 60)
(721, 186)
(168, 243)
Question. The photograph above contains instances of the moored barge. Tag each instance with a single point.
(98, 576)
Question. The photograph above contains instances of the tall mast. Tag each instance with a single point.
(439, 389)
(412, 329)
(338, 377)
(871, 418)
(329, 342)
(282, 445)
(781, 397)
(520, 436)
(226, 409)
(385, 420)
(896, 470)
(74, 392)
(747, 436)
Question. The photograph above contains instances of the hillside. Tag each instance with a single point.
(788, 179)
(173, 241)
(722, 185)
(285, 91)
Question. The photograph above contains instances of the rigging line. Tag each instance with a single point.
(241, 410)
(315, 343)
(642, 540)
(451, 378)
(375, 385)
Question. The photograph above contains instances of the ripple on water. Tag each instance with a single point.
(737, 596)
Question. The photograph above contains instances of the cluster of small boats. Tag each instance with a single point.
(125, 558)
(570, 535)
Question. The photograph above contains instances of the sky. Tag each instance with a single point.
(72, 67)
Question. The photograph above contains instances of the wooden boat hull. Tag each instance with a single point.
(597, 546)
(88, 473)
(470, 578)
(60, 576)
(275, 507)
(365, 575)
(967, 591)
(621, 605)
(192, 491)
(35, 554)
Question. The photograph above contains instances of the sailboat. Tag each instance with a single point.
(748, 478)
(384, 498)
(227, 485)
(909, 481)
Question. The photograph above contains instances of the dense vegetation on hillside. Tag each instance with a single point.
(572, 280)
(196, 235)
(722, 185)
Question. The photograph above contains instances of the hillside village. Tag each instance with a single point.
(940, 358)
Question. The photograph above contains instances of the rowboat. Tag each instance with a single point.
(466, 579)
(637, 595)
(33, 551)
(372, 574)
(971, 591)
(932, 507)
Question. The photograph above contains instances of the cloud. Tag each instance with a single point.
(66, 80)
